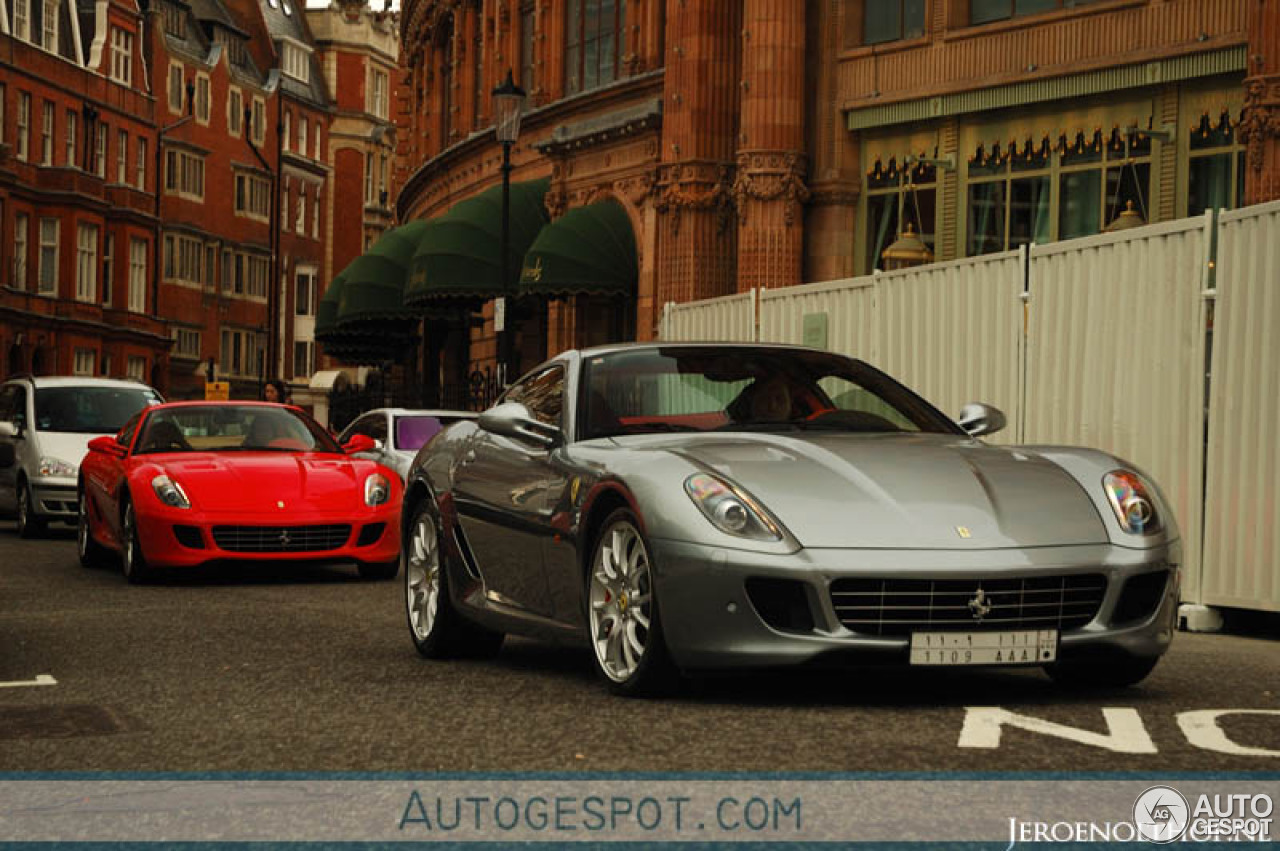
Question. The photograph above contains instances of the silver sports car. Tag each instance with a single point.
(685, 507)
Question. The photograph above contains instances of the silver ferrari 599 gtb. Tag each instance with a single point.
(687, 507)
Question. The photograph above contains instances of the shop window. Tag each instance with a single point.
(1215, 173)
(891, 197)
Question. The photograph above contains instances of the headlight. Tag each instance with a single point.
(730, 509)
(1133, 506)
(56, 467)
(377, 490)
(170, 492)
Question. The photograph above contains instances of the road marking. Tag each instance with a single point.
(1202, 730)
(1125, 730)
(40, 680)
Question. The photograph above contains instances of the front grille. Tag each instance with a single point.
(281, 539)
(903, 606)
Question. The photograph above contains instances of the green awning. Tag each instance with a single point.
(459, 258)
(375, 280)
(589, 250)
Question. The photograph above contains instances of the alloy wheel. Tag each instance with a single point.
(24, 507)
(621, 601)
(422, 577)
(83, 532)
(130, 542)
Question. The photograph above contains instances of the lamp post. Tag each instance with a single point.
(508, 103)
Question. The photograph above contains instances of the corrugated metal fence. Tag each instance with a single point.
(1097, 342)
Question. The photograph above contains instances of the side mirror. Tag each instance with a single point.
(378, 444)
(8, 429)
(359, 443)
(511, 419)
(979, 419)
(106, 444)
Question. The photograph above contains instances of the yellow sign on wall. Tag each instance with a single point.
(218, 390)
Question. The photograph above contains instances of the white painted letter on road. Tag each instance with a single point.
(1202, 730)
(1125, 730)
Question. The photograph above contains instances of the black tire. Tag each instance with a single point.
(1102, 673)
(378, 571)
(655, 674)
(444, 633)
(92, 554)
(29, 523)
(132, 561)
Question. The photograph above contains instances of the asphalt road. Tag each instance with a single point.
(272, 669)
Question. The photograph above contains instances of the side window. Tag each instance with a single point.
(542, 394)
(8, 400)
(125, 437)
(377, 428)
(18, 411)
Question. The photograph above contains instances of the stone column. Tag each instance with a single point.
(1260, 129)
(695, 213)
(769, 190)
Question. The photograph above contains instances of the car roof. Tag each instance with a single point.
(81, 381)
(692, 344)
(422, 412)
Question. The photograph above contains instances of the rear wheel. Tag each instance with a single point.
(623, 617)
(90, 551)
(29, 523)
(133, 562)
(438, 631)
(1102, 673)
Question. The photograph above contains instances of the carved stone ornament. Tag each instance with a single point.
(1261, 118)
(695, 186)
(768, 177)
(635, 189)
(556, 202)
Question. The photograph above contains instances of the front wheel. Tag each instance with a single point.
(29, 523)
(623, 617)
(133, 563)
(438, 631)
(89, 550)
(1102, 673)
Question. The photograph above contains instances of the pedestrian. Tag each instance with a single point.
(277, 391)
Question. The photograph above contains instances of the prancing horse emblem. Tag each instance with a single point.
(285, 541)
(979, 606)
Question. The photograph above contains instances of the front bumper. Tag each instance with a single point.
(55, 498)
(186, 538)
(711, 622)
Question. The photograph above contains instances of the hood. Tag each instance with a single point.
(918, 491)
(69, 446)
(259, 481)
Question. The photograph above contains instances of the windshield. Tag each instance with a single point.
(741, 388)
(233, 428)
(90, 410)
(413, 432)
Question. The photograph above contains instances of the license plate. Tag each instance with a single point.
(1026, 647)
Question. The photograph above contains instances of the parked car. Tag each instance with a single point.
(46, 424)
(187, 483)
(690, 507)
(398, 433)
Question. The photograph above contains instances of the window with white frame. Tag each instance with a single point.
(240, 350)
(122, 156)
(302, 135)
(316, 154)
(176, 87)
(46, 134)
(137, 275)
(186, 343)
(100, 151)
(24, 126)
(369, 197)
(86, 359)
(203, 98)
(49, 35)
(284, 206)
(297, 61)
(300, 223)
(122, 56)
(252, 195)
(87, 262)
(379, 102)
(315, 216)
(258, 273)
(22, 19)
(235, 111)
(304, 290)
(287, 130)
(210, 266)
(49, 256)
(73, 126)
(184, 174)
(108, 267)
(304, 358)
(137, 368)
(259, 128)
(183, 259)
(21, 224)
(140, 169)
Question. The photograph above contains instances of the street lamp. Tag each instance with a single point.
(508, 103)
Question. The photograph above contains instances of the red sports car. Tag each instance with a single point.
(192, 482)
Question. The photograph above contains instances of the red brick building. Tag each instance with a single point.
(756, 143)
(77, 180)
